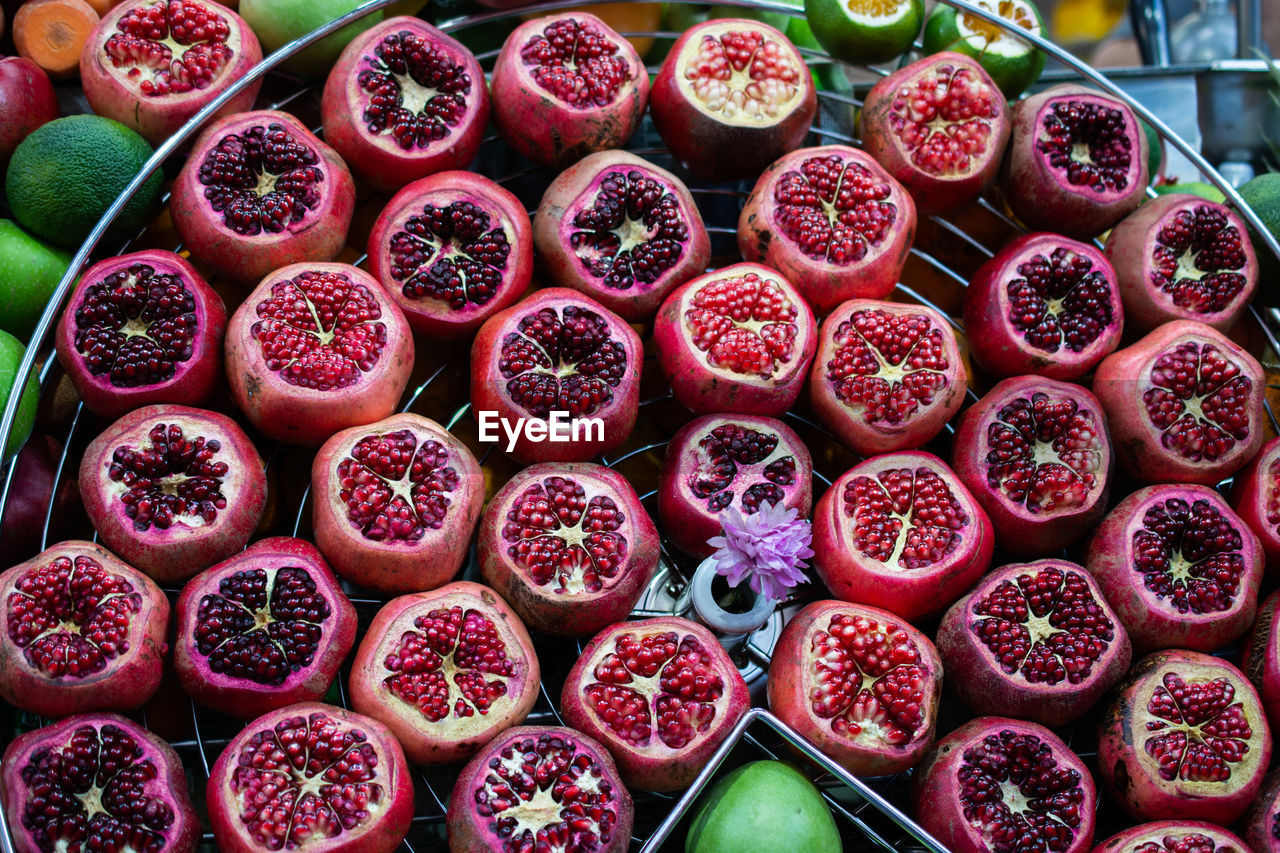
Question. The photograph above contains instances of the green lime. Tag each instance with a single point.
(1155, 150)
(1012, 63)
(29, 272)
(865, 31)
(11, 352)
(763, 807)
(777, 20)
(1263, 195)
(278, 22)
(826, 75)
(66, 174)
(1199, 188)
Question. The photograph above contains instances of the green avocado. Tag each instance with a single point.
(763, 807)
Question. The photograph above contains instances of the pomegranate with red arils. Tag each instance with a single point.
(452, 249)
(1173, 836)
(887, 376)
(622, 230)
(446, 671)
(1044, 304)
(1255, 496)
(540, 787)
(1185, 405)
(1184, 737)
(859, 683)
(153, 64)
(569, 546)
(258, 192)
(661, 694)
(314, 776)
(1180, 568)
(1260, 657)
(718, 462)
(96, 782)
(404, 101)
(732, 96)
(1077, 161)
(266, 628)
(997, 784)
(394, 503)
(899, 531)
(1182, 257)
(738, 340)
(1260, 825)
(139, 329)
(81, 631)
(48, 492)
(1036, 454)
(565, 85)
(833, 221)
(317, 348)
(558, 364)
(173, 490)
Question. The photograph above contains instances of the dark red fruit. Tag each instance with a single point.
(1261, 824)
(1255, 496)
(1174, 836)
(38, 491)
(29, 102)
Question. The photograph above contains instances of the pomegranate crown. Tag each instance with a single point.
(767, 549)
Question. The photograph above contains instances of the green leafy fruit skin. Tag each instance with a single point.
(1263, 195)
(30, 269)
(763, 807)
(1013, 76)
(1155, 150)
(278, 22)
(858, 43)
(11, 352)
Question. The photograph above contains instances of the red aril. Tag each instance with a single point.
(1261, 823)
(1260, 657)
(1173, 836)
(1255, 495)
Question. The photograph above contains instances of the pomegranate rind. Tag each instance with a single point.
(1255, 496)
(1165, 835)
(1258, 826)
(1260, 659)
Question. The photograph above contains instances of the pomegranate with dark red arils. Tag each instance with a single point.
(997, 784)
(394, 503)
(1184, 737)
(139, 329)
(732, 96)
(266, 628)
(899, 531)
(1173, 836)
(718, 462)
(1260, 825)
(1260, 657)
(565, 85)
(738, 340)
(317, 348)
(404, 101)
(153, 64)
(621, 230)
(569, 545)
(1044, 304)
(661, 694)
(173, 490)
(833, 221)
(558, 354)
(314, 776)
(258, 192)
(1185, 405)
(96, 782)
(859, 683)
(452, 249)
(536, 788)
(887, 376)
(1255, 496)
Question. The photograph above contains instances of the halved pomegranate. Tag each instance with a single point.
(1173, 836)
(1261, 823)
(833, 221)
(1260, 658)
(1255, 495)
(738, 340)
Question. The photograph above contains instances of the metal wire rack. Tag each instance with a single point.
(948, 249)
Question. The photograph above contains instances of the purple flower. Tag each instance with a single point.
(767, 549)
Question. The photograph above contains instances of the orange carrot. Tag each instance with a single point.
(51, 33)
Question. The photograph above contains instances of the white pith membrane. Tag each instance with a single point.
(1173, 839)
(141, 68)
(889, 502)
(697, 460)
(875, 13)
(1194, 384)
(754, 338)
(990, 38)
(944, 114)
(754, 80)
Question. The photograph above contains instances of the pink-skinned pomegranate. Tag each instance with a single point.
(317, 348)
(940, 126)
(446, 671)
(266, 628)
(998, 784)
(621, 230)
(661, 694)
(887, 376)
(858, 682)
(452, 249)
(142, 328)
(1185, 404)
(1077, 161)
(737, 340)
(732, 96)
(311, 776)
(718, 462)
(540, 787)
(404, 101)
(900, 532)
(1036, 454)
(258, 192)
(1182, 257)
(831, 220)
(1180, 569)
(1174, 836)
(1260, 658)
(569, 546)
(1260, 825)
(558, 363)
(81, 631)
(394, 503)
(1255, 496)
(173, 490)
(96, 782)
(1044, 304)
(565, 85)
(1184, 737)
